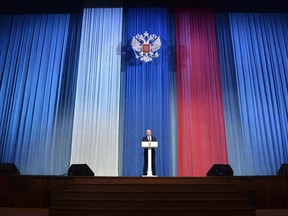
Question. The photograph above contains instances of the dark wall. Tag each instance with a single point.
(76, 6)
(41, 6)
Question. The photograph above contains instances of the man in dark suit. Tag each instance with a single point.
(149, 137)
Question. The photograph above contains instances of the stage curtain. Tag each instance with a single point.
(173, 92)
(146, 93)
(38, 58)
(96, 118)
(201, 129)
(259, 43)
(234, 136)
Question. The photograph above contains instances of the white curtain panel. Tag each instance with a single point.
(96, 117)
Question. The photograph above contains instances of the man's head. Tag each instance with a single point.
(148, 132)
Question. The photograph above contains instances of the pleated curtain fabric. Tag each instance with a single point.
(34, 52)
(256, 62)
(234, 135)
(146, 93)
(96, 117)
(72, 91)
(201, 129)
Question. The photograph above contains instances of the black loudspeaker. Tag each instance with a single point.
(283, 171)
(220, 170)
(8, 169)
(80, 170)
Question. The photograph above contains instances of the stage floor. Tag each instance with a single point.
(182, 195)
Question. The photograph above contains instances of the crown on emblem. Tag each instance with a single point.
(145, 46)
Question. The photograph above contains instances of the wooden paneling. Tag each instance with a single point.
(265, 191)
(105, 195)
(155, 196)
(23, 212)
(29, 191)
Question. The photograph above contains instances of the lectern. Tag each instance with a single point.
(149, 145)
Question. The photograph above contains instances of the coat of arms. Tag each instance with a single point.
(145, 46)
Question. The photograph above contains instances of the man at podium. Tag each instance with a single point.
(148, 138)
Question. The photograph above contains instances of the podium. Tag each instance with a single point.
(149, 145)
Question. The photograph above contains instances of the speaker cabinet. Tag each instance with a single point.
(283, 170)
(8, 169)
(80, 170)
(220, 170)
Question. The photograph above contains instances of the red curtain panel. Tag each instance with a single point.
(201, 130)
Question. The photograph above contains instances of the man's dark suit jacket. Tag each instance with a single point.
(145, 165)
(146, 139)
